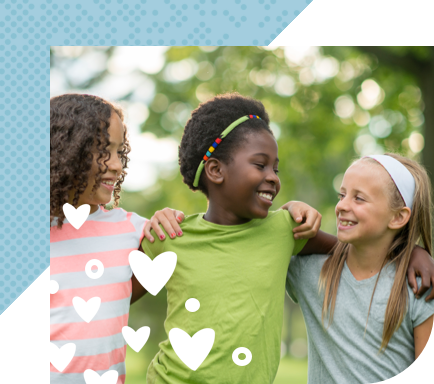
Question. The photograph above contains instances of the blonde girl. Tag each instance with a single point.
(365, 325)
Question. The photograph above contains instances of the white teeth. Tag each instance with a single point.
(268, 196)
(108, 182)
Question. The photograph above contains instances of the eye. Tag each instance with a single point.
(261, 166)
(359, 198)
(276, 171)
(340, 196)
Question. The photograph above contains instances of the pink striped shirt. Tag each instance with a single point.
(108, 236)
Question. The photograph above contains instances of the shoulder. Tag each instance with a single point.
(310, 261)
(419, 309)
(120, 214)
(306, 265)
(281, 216)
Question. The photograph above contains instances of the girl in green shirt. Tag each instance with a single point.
(233, 258)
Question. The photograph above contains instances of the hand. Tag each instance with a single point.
(421, 264)
(169, 219)
(305, 214)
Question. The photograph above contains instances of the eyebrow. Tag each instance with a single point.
(356, 190)
(264, 154)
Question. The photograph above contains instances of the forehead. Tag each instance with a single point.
(116, 129)
(259, 142)
(366, 176)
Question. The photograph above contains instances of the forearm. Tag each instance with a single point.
(322, 244)
(137, 290)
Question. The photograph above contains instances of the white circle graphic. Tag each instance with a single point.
(98, 273)
(54, 287)
(240, 362)
(192, 305)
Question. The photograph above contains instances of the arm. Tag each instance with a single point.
(137, 288)
(421, 336)
(421, 264)
(169, 219)
(322, 244)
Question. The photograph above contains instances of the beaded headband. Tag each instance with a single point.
(400, 175)
(217, 142)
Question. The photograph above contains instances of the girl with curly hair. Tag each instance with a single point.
(88, 156)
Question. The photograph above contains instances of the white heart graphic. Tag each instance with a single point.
(86, 310)
(61, 357)
(136, 340)
(54, 287)
(152, 274)
(192, 350)
(92, 377)
(76, 217)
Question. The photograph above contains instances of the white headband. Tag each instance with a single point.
(400, 175)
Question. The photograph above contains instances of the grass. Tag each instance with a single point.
(291, 371)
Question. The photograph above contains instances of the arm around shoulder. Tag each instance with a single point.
(322, 244)
(138, 291)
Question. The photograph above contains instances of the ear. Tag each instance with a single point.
(400, 218)
(214, 171)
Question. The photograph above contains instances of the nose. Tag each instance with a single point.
(115, 164)
(272, 178)
(342, 204)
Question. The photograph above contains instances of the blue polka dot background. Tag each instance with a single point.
(27, 30)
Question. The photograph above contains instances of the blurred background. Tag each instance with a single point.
(327, 105)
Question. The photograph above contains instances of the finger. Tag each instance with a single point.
(164, 218)
(147, 231)
(411, 276)
(155, 224)
(310, 218)
(426, 283)
(170, 217)
(286, 206)
(308, 233)
(296, 213)
(431, 295)
(179, 216)
(302, 228)
(317, 225)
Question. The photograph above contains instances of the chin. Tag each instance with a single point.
(261, 215)
(343, 239)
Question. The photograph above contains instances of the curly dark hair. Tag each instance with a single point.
(79, 128)
(207, 122)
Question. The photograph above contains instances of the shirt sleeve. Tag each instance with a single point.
(299, 243)
(421, 310)
(152, 250)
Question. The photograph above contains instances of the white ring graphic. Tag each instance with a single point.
(244, 362)
(96, 263)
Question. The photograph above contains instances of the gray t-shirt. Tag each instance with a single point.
(343, 354)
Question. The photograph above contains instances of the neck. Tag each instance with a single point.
(93, 207)
(365, 260)
(217, 213)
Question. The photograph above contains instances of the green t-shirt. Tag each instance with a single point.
(238, 275)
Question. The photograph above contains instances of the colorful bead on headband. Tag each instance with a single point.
(217, 142)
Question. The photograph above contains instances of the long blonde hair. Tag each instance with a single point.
(418, 229)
